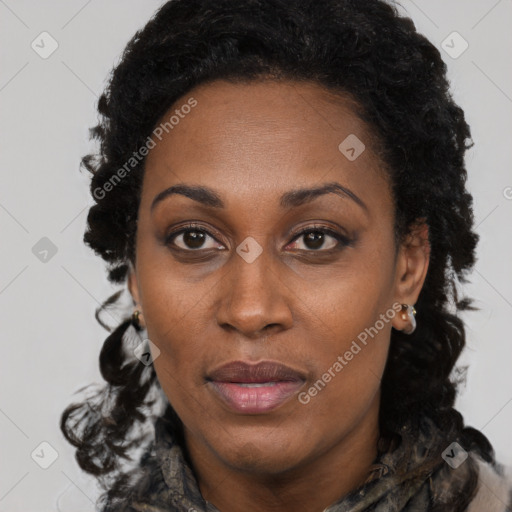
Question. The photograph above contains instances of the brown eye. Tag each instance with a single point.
(194, 239)
(320, 240)
(191, 238)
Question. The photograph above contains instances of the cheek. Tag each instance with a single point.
(353, 317)
(349, 304)
(180, 363)
(172, 307)
(173, 315)
(347, 380)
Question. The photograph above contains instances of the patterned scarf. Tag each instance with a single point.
(423, 473)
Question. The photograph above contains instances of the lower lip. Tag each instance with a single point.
(255, 400)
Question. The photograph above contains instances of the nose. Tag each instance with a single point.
(254, 299)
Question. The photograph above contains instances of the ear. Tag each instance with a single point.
(133, 285)
(411, 268)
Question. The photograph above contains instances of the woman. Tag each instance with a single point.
(281, 189)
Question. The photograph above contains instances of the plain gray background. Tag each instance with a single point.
(50, 339)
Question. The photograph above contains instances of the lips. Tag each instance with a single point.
(254, 388)
(265, 371)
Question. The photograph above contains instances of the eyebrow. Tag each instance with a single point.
(290, 199)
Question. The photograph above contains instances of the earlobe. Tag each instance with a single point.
(412, 266)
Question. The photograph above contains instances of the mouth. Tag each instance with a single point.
(255, 388)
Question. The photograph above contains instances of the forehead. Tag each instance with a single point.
(262, 139)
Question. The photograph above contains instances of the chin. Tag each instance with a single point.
(265, 452)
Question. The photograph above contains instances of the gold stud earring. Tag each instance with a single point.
(136, 320)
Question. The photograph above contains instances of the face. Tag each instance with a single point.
(245, 268)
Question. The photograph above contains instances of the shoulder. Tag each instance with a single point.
(494, 490)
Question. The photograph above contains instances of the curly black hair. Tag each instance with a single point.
(363, 49)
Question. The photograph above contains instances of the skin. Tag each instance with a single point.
(297, 303)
